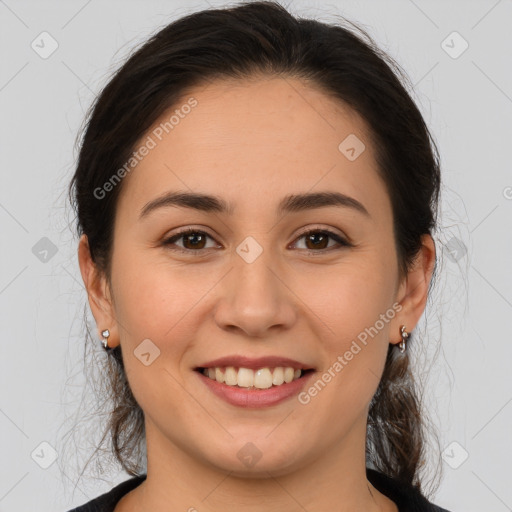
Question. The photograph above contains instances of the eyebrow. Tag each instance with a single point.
(290, 203)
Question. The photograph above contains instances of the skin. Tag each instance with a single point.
(253, 142)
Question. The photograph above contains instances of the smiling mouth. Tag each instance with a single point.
(247, 378)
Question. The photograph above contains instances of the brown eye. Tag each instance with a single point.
(196, 240)
(193, 240)
(317, 240)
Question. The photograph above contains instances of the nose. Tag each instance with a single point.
(256, 298)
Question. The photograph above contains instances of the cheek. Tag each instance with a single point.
(152, 300)
(349, 296)
(153, 303)
(354, 305)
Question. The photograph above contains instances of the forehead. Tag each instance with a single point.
(256, 139)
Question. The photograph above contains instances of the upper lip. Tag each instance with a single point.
(256, 363)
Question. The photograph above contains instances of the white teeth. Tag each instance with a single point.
(219, 376)
(278, 377)
(288, 374)
(262, 378)
(230, 376)
(245, 378)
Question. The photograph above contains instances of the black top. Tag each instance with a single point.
(407, 498)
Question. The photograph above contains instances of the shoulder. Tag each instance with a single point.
(406, 497)
(108, 501)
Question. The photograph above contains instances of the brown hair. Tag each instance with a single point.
(238, 42)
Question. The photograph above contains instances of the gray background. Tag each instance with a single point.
(467, 102)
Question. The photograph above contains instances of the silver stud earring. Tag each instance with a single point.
(404, 335)
(104, 341)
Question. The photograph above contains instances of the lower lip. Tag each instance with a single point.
(255, 398)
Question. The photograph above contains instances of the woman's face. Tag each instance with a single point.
(249, 283)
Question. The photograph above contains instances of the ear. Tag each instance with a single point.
(413, 290)
(98, 292)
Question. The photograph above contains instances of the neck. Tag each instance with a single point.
(334, 480)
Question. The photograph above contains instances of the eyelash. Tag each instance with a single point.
(170, 241)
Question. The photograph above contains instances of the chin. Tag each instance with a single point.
(257, 458)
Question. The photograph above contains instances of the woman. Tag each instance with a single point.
(255, 195)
